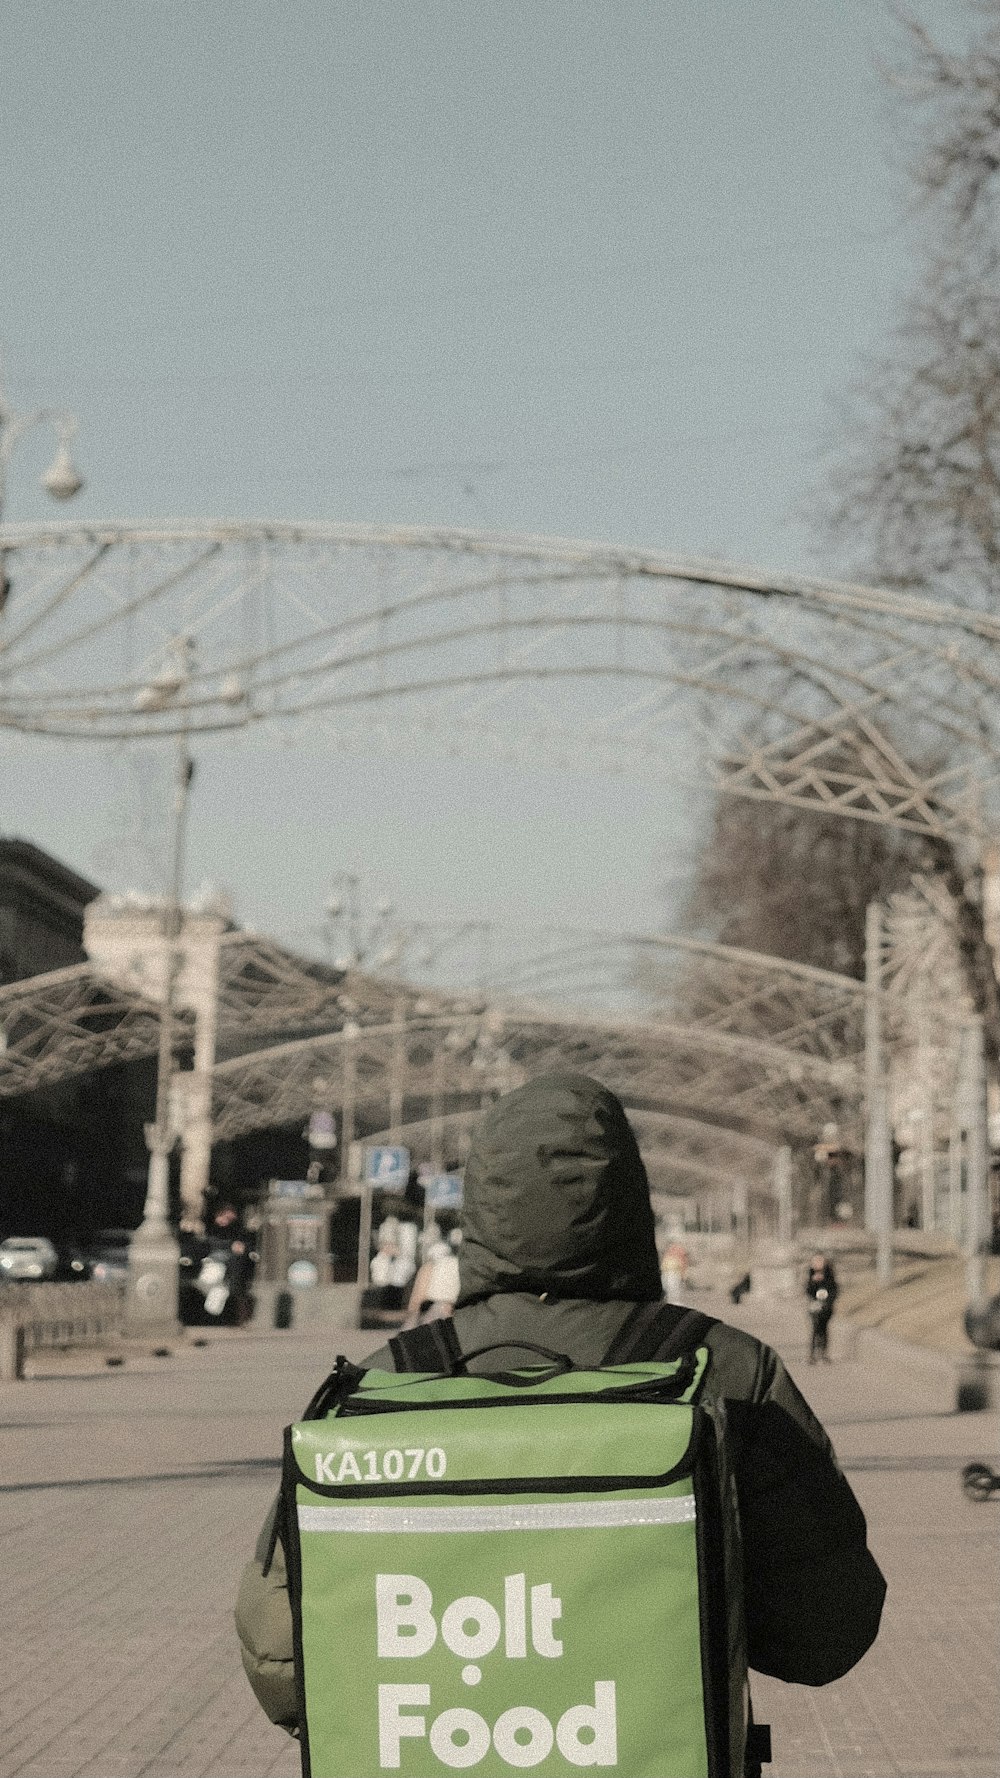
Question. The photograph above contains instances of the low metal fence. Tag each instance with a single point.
(55, 1317)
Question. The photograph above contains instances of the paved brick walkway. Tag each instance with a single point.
(129, 1498)
(924, 1701)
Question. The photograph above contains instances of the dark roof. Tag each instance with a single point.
(24, 865)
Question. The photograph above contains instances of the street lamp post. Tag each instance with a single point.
(975, 1384)
(879, 1218)
(976, 1230)
(782, 1185)
(154, 1255)
(397, 1068)
(354, 940)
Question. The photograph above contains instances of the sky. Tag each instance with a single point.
(592, 268)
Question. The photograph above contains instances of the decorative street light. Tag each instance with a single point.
(355, 939)
(154, 1255)
(61, 480)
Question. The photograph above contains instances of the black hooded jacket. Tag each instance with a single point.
(557, 1199)
(558, 1247)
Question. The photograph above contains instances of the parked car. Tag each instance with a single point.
(26, 1259)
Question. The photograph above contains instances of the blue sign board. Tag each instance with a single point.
(294, 1188)
(387, 1168)
(443, 1191)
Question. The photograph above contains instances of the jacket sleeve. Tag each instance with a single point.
(814, 1592)
(264, 1628)
(264, 1616)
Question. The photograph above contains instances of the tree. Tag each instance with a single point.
(910, 496)
(911, 483)
(796, 885)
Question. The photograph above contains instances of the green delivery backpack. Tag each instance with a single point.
(532, 1569)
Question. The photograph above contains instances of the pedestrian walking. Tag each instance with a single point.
(435, 1287)
(391, 1266)
(559, 1251)
(821, 1294)
(742, 1288)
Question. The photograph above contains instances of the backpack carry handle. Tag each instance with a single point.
(334, 1389)
(558, 1360)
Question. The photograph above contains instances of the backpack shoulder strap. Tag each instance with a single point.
(658, 1331)
(431, 1346)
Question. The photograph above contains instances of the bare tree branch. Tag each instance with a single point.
(796, 884)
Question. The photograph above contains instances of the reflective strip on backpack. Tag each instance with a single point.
(562, 1515)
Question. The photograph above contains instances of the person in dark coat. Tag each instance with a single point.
(821, 1294)
(559, 1248)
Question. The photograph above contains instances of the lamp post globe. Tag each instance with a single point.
(62, 479)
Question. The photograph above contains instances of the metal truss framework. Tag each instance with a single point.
(70, 1022)
(685, 1157)
(713, 1149)
(850, 699)
(707, 1153)
(76, 1020)
(665, 1020)
(263, 987)
(749, 1082)
(707, 986)
(927, 986)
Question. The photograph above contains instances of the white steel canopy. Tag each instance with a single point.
(748, 1082)
(865, 702)
(666, 1021)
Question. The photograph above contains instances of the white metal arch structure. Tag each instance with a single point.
(712, 1151)
(784, 1038)
(755, 1040)
(748, 1082)
(80, 1019)
(683, 1156)
(708, 986)
(69, 1022)
(855, 700)
(692, 1141)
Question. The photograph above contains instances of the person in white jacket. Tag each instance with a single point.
(436, 1286)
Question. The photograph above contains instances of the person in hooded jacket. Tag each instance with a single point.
(821, 1294)
(558, 1250)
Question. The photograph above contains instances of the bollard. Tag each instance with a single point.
(982, 1325)
(284, 1309)
(974, 1393)
(12, 1345)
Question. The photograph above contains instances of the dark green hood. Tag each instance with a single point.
(556, 1198)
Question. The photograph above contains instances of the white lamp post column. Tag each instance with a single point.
(782, 1185)
(878, 1131)
(154, 1255)
(977, 1166)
